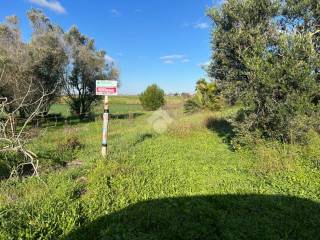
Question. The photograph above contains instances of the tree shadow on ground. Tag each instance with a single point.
(209, 217)
(222, 127)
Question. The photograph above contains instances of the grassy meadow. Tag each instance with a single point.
(184, 182)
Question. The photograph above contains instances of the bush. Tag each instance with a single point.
(66, 150)
(273, 69)
(152, 98)
(206, 98)
(191, 106)
(4, 170)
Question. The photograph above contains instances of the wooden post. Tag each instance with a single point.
(105, 126)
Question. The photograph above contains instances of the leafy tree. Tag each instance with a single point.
(47, 54)
(86, 66)
(31, 69)
(26, 85)
(304, 17)
(152, 98)
(113, 73)
(236, 25)
(266, 55)
(12, 52)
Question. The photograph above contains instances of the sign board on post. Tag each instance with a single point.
(106, 87)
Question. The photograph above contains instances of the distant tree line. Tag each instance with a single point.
(266, 55)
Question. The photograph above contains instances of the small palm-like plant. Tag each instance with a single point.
(206, 97)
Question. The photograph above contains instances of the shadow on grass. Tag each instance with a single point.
(126, 115)
(142, 137)
(55, 157)
(222, 127)
(209, 217)
(76, 120)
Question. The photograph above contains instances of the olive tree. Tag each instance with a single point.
(38, 64)
(31, 74)
(86, 65)
(266, 55)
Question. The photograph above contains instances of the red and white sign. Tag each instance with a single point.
(106, 87)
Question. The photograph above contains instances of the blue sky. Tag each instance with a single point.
(152, 41)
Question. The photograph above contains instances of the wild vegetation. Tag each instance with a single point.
(266, 55)
(155, 185)
(206, 97)
(152, 98)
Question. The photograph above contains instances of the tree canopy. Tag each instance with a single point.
(266, 55)
(52, 63)
(152, 98)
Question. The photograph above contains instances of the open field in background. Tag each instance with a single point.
(118, 104)
(183, 183)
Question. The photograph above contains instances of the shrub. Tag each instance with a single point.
(206, 98)
(73, 143)
(66, 150)
(152, 98)
(191, 106)
(270, 65)
(4, 170)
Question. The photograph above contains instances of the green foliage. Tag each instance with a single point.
(88, 65)
(48, 57)
(281, 107)
(152, 98)
(206, 98)
(268, 58)
(48, 214)
(14, 161)
(34, 69)
(51, 62)
(4, 169)
(236, 26)
(191, 106)
(149, 185)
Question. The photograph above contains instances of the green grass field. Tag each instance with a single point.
(183, 182)
(119, 104)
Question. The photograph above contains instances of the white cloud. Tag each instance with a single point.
(114, 12)
(168, 62)
(53, 5)
(170, 59)
(202, 25)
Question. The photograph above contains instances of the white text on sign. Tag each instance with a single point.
(106, 87)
